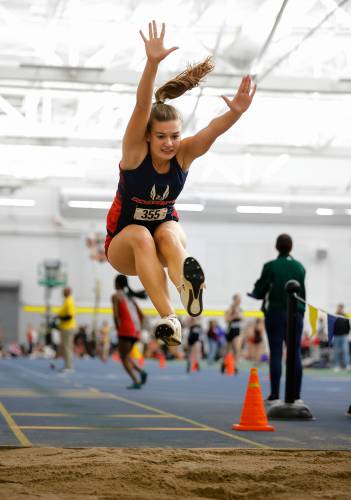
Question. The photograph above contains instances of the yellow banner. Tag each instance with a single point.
(313, 313)
(148, 311)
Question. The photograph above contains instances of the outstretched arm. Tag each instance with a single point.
(134, 142)
(197, 145)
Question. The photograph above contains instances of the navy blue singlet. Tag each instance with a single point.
(145, 197)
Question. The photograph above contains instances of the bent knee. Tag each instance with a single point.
(141, 239)
(167, 239)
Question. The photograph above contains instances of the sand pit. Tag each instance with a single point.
(166, 474)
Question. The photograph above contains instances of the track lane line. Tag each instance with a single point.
(14, 427)
(183, 419)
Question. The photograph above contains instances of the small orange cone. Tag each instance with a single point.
(162, 361)
(253, 416)
(229, 364)
(194, 364)
(141, 361)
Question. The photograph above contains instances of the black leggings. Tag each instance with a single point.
(125, 345)
(276, 322)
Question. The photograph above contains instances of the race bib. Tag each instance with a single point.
(149, 214)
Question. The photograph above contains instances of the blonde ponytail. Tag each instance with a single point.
(176, 87)
(185, 81)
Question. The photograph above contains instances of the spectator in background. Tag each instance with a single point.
(322, 332)
(256, 341)
(15, 350)
(67, 326)
(340, 340)
(212, 341)
(194, 344)
(271, 288)
(80, 342)
(32, 338)
(325, 349)
(104, 341)
(234, 318)
(305, 345)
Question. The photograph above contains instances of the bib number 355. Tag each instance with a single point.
(150, 213)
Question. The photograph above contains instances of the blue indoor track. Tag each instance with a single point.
(92, 407)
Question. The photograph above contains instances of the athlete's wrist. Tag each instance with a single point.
(236, 111)
(152, 63)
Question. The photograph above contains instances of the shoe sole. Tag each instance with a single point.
(194, 279)
(164, 333)
(272, 402)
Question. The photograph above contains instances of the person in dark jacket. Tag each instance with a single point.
(271, 288)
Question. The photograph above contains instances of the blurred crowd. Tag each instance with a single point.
(206, 340)
(211, 339)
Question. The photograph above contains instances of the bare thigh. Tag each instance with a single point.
(120, 252)
(173, 227)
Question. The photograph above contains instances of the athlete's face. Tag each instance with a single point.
(164, 139)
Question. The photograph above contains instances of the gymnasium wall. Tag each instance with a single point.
(231, 253)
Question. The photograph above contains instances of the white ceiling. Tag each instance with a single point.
(69, 68)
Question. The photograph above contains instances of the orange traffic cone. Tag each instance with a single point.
(194, 364)
(141, 361)
(162, 361)
(253, 416)
(229, 364)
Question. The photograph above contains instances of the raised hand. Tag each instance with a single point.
(154, 48)
(243, 98)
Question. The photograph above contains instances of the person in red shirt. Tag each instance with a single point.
(128, 319)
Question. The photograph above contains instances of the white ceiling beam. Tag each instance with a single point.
(309, 34)
(10, 111)
(98, 79)
(225, 149)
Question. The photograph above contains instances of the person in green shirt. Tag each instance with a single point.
(271, 288)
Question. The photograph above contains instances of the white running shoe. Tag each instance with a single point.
(193, 283)
(272, 401)
(299, 402)
(169, 330)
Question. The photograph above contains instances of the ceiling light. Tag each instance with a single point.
(250, 209)
(16, 202)
(325, 211)
(89, 204)
(348, 211)
(189, 207)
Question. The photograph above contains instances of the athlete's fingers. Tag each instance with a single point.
(143, 36)
(150, 31)
(242, 84)
(168, 51)
(226, 100)
(248, 84)
(253, 91)
(163, 30)
(154, 26)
